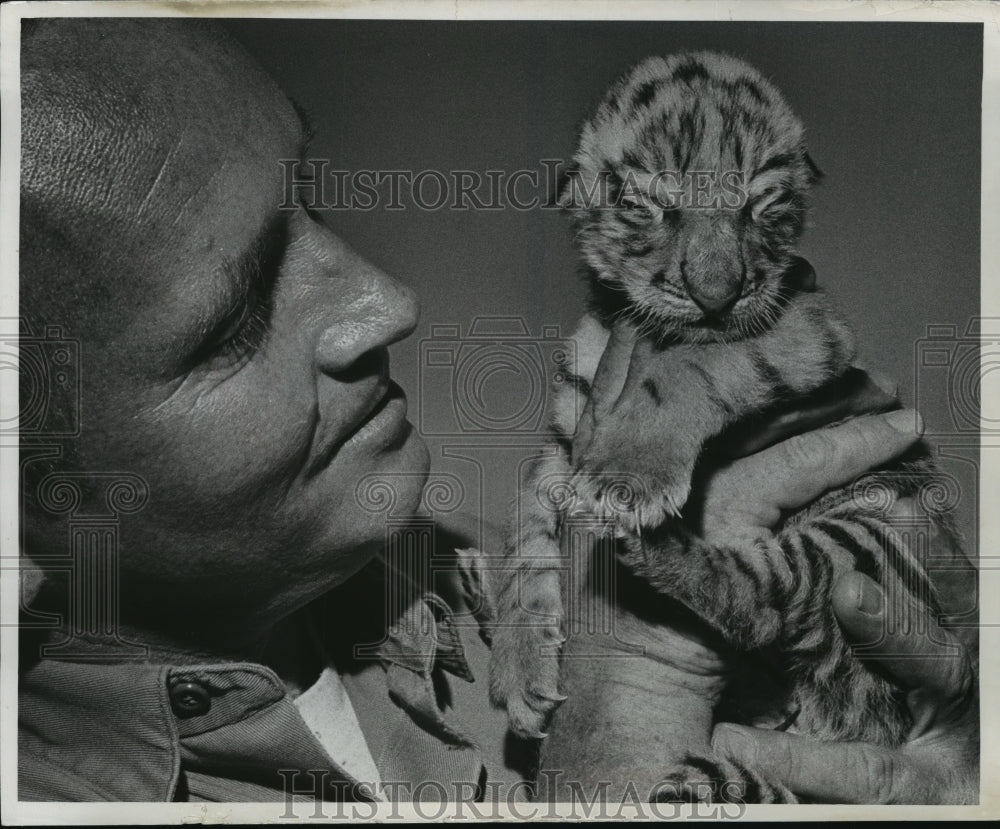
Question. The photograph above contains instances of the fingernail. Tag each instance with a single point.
(884, 383)
(732, 740)
(907, 421)
(726, 729)
(869, 598)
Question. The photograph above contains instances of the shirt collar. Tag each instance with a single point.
(122, 723)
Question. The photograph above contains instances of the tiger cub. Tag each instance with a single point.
(688, 196)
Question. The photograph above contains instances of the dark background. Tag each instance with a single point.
(892, 113)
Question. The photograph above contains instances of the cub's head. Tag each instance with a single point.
(688, 194)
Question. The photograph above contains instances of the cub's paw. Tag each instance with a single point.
(669, 487)
(633, 494)
(700, 779)
(524, 676)
(595, 493)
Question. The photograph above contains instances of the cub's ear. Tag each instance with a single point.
(815, 173)
(567, 187)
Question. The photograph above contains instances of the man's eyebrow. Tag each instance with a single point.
(249, 272)
(306, 125)
(239, 278)
(250, 269)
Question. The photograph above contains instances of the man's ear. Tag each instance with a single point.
(31, 577)
(567, 186)
(815, 173)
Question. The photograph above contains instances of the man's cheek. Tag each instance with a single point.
(241, 461)
(234, 454)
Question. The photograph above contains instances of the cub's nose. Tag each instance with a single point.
(715, 303)
(714, 292)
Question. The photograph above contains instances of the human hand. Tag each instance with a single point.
(638, 720)
(773, 473)
(940, 761)
(936, 666)
(782, 461)
(751, 494)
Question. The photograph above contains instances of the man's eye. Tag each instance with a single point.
(243, 331)
(247, 333)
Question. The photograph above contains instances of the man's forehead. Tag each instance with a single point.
(149, 139)
(116, 110)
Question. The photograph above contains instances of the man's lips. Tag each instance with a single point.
(378, 428)
(377, 415)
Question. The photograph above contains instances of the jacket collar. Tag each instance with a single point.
(117, 723)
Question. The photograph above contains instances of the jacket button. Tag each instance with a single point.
(189, 699)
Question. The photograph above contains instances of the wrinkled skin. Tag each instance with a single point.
(249, 445)
(607, 729)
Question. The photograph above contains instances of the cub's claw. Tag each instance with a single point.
(524, 674)
(528, 711)
(528, 714)
(635, 500)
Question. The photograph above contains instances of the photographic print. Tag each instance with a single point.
(489, 411)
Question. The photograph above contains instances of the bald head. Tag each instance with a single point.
(111, 110)
(232, 349)
(134, 139)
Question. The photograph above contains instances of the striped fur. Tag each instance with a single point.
(678, 117)
(723, 337)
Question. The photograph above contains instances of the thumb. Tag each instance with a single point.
(609, 379)
(823, 771)
(908, 644)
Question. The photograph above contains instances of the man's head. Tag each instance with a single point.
(232, 354)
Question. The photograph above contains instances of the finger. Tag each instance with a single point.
(824, 771)
(855, 393)
(800, 469)
(613, 368)
(609, 379)
(907, 643)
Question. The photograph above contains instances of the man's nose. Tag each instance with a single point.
(376, 312)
